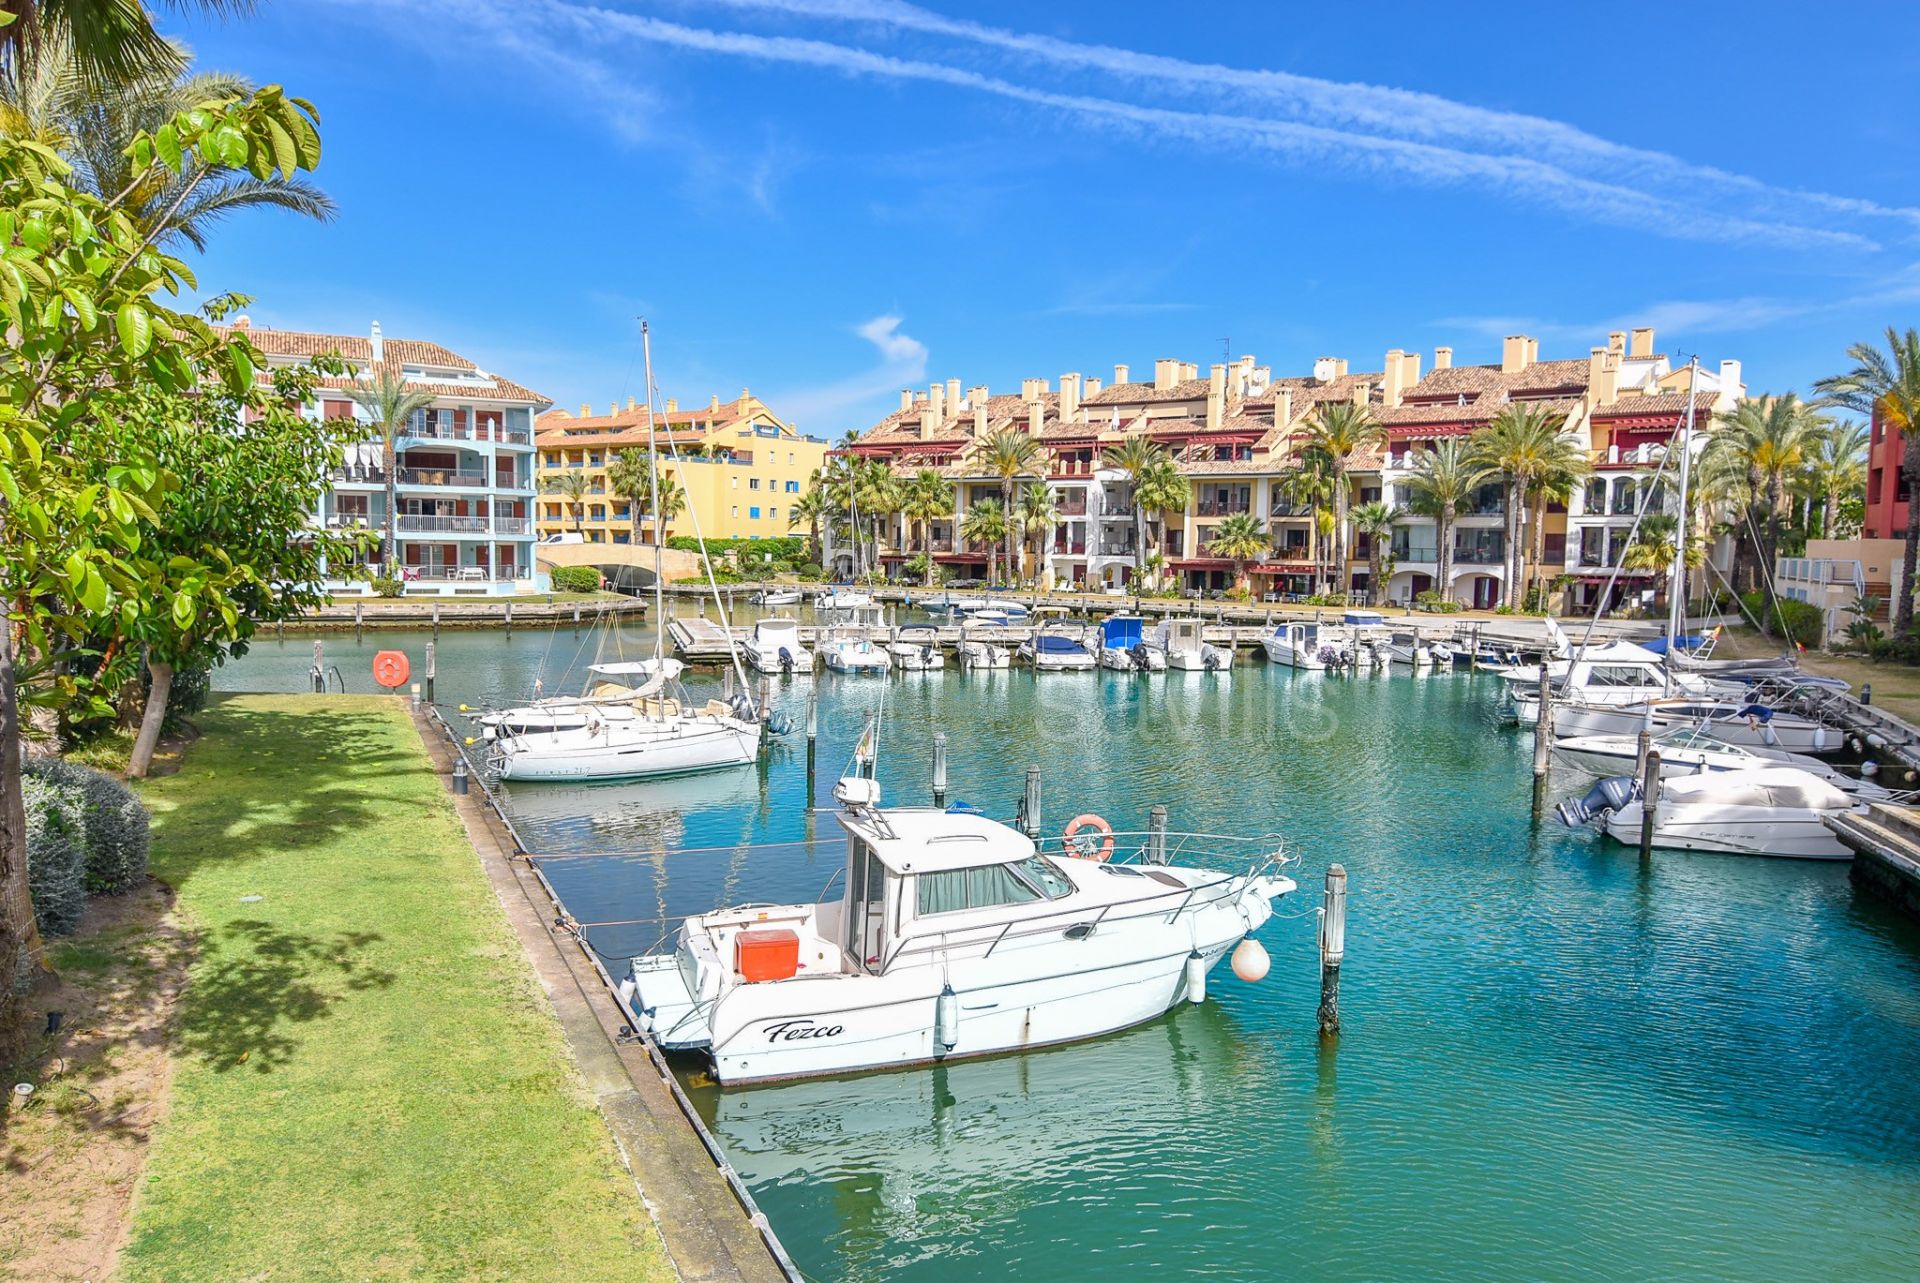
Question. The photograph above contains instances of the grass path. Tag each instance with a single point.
(368, 1082)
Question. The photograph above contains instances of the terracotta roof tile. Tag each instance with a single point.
(1142, 393)
(1674, 403)
(394, 354)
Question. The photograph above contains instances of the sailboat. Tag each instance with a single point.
(648, 730)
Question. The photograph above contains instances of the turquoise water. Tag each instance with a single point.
(1557, 1062)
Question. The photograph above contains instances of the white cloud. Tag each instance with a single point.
(829, 409)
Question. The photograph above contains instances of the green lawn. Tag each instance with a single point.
(368, 1083)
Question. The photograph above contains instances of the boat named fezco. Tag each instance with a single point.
(957, 936)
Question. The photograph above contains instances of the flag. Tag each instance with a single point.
(863, 751)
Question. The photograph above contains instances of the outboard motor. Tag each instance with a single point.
(1210, 659)
(1138, 653)
(786, 662)
(742, 706)
(1608, 795)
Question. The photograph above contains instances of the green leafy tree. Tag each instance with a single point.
(1653, 547)
(1524, 444)
(986, 524)
(632, 476)
(1308, 483)
(1161, 492)
(1339, 429)
(1836, 468)
(571, 485)
(1239, 539)
(1443, 478)
(811, 507)
(83, 298)
(1375, 521)
(389, 403)
(928, 498)
(1009, 454)
(1141, 459)
(1886, 386)
(1037, 515)
(109, 40)
(1752, 456)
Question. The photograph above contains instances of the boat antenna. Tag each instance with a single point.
(693, 519)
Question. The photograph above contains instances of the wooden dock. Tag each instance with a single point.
(1886, 846)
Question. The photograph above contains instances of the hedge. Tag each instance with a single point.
(117, 829)
(1803, 621)
(56, 853)
(576, 579)
(783, 548)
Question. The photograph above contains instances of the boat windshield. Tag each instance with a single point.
(990, 885)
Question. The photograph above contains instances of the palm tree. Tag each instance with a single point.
(1310, 482)
(1524, 443)
(1565, 468)
(986, 523)
(46, 97)
(630, 476)
(1836, 466)
(390, 403)
(1338, 429)
(810, 508)
(878, 494)
(570, 485)
(1758, 447)
(928, 497)
(1652, 547)
(1442, 479)
(1139, 457)
(1375, 521)
(1240, 539)
(1007, 454)
(1036, 516)
(108, 40)
(1161, 491)
(1886, 386)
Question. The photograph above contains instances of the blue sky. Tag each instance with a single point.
(830, 199)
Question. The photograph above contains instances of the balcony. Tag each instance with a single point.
(1117, 512)
(434, 431)
(513, 525)
(1478, 555)
(1222, 507)
(1072, 507)
(460, 574)
(365, 474)
(1078, 548)
(441, 477)
(412, 522)
(1126, 549)
(1424, 553)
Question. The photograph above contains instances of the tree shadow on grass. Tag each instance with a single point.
(257, 980)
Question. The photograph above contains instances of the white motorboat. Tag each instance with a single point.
(1317, 647)
(1180, 644)
(843, 599)
(1771, 810)
(610, 688)
(974, 652)
(1690, 750)
(956, 936)
(1120, 644)
(773, 646)
(1411, 650)
(849, 648)
(777, 597)
(915, 648)
(1618, 673)
(1739, 722)
(994, 610)
(1052, 649)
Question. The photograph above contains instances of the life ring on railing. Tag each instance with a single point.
(1084, 847)
(390, 669)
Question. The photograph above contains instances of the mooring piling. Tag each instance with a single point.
(1333, 948)
(1156, 834)
(357, 606)
(813, 734)
(509, 619)
(1543, 726)
(429, 672)
(1030, 804)
(1649, 800)
(319, 673)
(939, 768)
(436, 621)
(1643, 744)
(576, 619)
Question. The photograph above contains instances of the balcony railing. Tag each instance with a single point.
(1074, 508)
(361, 473)
(1420, 552)
(1478, 556)
(1117, 549)
(432, 431)
(512, 525)
(1222, 507)
(443, 525)
(440, 477)
(1078, 548)
(475, 574)
(1118, 511)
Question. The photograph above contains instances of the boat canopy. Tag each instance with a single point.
(1122, 632)
(1057, 644)
(1762, 786)
(776, 627)
(930, 840)
(665, 666)
(1691, 642)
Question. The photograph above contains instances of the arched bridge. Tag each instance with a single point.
(626, 566)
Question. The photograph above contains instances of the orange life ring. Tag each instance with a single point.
(391, 670)
(1085, 850)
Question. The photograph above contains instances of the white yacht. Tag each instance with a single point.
(654, 732)
(1736, 721)
(843, 599)
(1317, 647)
(847, 647)
(1771, 810)
(610, 688)
(1121, 645)
(1692, 750)
(976, 652)
(1617, 674)
(1179, 643)
(956, 936)
(915, 648)
(1407, 649)
(1054, 649)
(776, 597)
(773, 646)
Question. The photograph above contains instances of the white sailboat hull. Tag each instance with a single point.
(1785, 732)
(638, 750)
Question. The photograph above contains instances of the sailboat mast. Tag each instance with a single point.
(653, 491)
(1677, 607)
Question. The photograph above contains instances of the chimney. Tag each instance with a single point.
(1443, 358)
(243, 322)
(1339, 367)
(1166, 374)
(1617, 343)
(1070, 398)
(1036, 417)
(1283, 407)
(713, 405)
(1642, 342)
(1391, 386)
(586, 411)
(1730, 385)
(906, 398)
(1513, 354)
(1362, 392)
(978, 397)
(1092, 389)
(1032, 390)
(378, 342)
(953, 396)
(937, 401)
(1120, 373)
(1216, 396)
(929, 419)
(1409, 371)
(673, 406)
(1603, 376)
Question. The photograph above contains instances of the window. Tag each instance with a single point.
(736, 482)
(736, 509)
(753, 483)
(789, 458)
(773, 514)
(753, 514)
(980, 888)
(793, 487)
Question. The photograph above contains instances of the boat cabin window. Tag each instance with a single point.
(989, 885)
(866, 905)
(1620, 675)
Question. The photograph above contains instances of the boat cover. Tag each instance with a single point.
(1762, 786)
(1123, 633)
(1055, 644)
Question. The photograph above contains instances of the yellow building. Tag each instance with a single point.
(741, 467)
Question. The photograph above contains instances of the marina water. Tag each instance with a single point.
(1557, 1062)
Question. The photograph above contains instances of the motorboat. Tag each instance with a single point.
(1410, 650)
(1618, 673)
(1692, 750)
(1052, 649)
(1317, 647)
(1120, 644)
(610, 688)
(843, 599)
(776, 597)
(916, 648)
(993, 610)
(655, 732)
(974, 652)
(1746, 723)
(773, 646)
(848, 646)
(1363, 618)
(1770, 810)
(1180, 643)
(955, 936)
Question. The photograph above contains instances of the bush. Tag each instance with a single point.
(192, 684)
(56, 853)
(388, 586)
(1435, 600)
(1802, 619)
(117, 829)
(811, 572)
(575, 579)
(789, 548)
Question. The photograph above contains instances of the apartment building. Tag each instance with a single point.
(741, 467)
(1235, 434)
(464, 476)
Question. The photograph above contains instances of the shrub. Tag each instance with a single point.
(388, 586)
(788, 547)
(1435, 600)
(117, 830)
(811, 571)
(1802, 619)
(191, 685)
(576, 579)
(56, 853)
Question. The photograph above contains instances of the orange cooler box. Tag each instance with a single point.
(772, 954)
